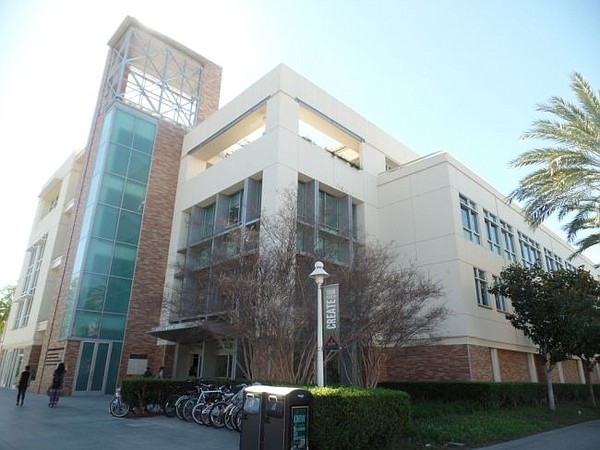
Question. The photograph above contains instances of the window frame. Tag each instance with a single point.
(481, 285)
(469, 220)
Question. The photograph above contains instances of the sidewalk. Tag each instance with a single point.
(583, 436)
(85, 423)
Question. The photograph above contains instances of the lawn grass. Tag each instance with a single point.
(435, 424)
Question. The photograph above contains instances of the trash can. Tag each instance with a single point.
(275, 418)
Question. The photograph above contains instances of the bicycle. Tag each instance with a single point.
(117, 406)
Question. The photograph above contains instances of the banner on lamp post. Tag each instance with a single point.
(331, 317)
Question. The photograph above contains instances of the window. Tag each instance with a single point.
(530, 251)
(508, 242)
(17, 321)
(329, 212)
(553, 261)
(468, 212)
(569, 266)
(500, 299)
(303, 201)
(234, 209)
(207, 221)
(32, 273)
(481, 287)
(493, 237)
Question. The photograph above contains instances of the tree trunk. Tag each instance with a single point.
(591, 385)
(548, 374)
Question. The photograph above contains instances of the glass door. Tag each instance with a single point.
(95, 369)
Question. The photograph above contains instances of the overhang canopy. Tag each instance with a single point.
(193, 331)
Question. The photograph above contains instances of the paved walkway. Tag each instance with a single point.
(85, 423)
(584, 436)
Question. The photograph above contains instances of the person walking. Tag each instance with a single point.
(23, 384)
(58, 379)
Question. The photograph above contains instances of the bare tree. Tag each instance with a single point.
(257, 282)
(266, 308)
(385, 305)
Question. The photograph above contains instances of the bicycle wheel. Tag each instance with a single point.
(237, 418)
(179, 405)
(187, 409)
(118, 408)
(216, 414)
(170, 406)
(229, 411)
(197, 412)
(205, 414)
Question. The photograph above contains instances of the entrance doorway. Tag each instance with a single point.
(97, 367)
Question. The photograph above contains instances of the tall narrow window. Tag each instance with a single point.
(207, 221)
(329, 209)
(530, 251)
(500, 299)
(302, 201)
(481, 287)
(17, 322)
(553, 261)
(508, 242)
(493, 235)
(33, 267)
(234, 209)
(468, 212)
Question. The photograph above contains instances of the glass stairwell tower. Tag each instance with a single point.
(110, 294)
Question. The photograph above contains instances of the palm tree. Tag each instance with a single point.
(566, 181)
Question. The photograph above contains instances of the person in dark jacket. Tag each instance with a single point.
(23, 384)
(58, 379)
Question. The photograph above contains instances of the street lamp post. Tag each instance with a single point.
(319, 276)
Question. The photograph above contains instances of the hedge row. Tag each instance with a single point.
(345, 418)
(497, 395)
(341, 418)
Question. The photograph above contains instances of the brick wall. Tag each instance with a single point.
(513, 366)
(147, 289)
(481, 363)
(436, 362)
(570, 372)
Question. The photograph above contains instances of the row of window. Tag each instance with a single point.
(500, 239)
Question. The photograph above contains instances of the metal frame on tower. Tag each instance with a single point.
(148, 72)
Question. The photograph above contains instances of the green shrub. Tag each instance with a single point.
(353, 418)
(488, 395)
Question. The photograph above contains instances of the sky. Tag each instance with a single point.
(463, 76)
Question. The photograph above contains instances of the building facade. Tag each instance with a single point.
(169, 185)
(108, 292)
(354, 184)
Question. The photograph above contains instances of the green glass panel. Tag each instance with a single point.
(113, 326)
(134, 196)
(99, 256)
(111, 190)
(105, 222)
(143, 139)
(117, 295)
(85, 366)
(69, 307)
(129, 227)
(86, 324)
(99, 367)
(123, 128)
(123, 263)
(118, 159)
(91, 294)
(113, 368)
(139, 167)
